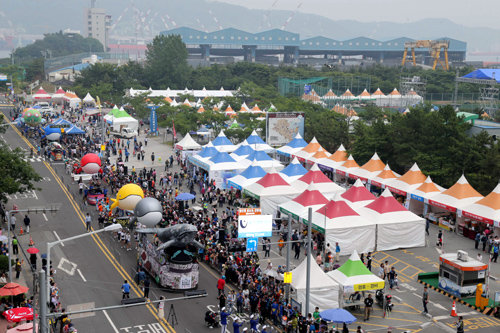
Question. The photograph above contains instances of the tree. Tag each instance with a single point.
(166, 62)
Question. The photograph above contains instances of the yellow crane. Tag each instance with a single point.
(434, 47)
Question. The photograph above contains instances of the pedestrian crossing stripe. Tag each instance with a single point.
(34, 159)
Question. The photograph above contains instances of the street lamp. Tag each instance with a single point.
(46, 276)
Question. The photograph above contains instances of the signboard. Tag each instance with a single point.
(252, 224)
(287, 277)
(252, 244)
(281, 127)
(153, 119)
(3, 77)
(307, 89)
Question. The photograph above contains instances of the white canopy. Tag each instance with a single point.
(324, 291)
(88, 99)
(187, 143)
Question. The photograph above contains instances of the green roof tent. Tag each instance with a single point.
(354, 276)
(235, 125)
(468, 117)
(118, 113)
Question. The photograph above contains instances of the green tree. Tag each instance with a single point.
(166, 62)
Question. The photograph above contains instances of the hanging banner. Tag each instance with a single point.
(252, 224)
(153, 119)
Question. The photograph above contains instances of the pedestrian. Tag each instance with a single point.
(337, 252)
(220, 284)
(161, 308)
(387, 269)
(27, 222)
(359, 330)
(484, 240)
(13, 223)
(494, 251)
(18, 267)
(460, 325)
(479, 257)
(88, 222)
(125, 290)
(147, 284)
(440, 239)
(223, 320)
(33, 260)
(267, 247)
(425, 300)
(236, 325)
(427, 224)
(477, 239)
(392, 277)
(153, 158)
(369, 261)
(368, 306)
(222, 300)
(15, 246)
(281, 245)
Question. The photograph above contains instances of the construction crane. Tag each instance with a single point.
(434, 47)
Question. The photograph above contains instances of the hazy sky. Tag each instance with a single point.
(467, 12)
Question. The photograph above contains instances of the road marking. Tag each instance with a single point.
(57, 236)
(407, 286)
(439, 306)
(81, 275)
(45, 217)
(144, 328)
(417, 295)
(71, 270)
(110, 322)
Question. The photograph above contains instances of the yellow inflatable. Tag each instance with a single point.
(127, 197)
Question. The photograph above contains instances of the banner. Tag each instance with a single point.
(281, 127)
(251, 224)
(173, 130)
(153, 119)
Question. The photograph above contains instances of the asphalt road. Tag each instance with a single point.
(91, 270)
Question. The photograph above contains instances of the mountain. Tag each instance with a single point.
(148, 17)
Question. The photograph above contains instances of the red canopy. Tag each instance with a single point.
(336, 209)
(12, 289)
(272, 179)
(357, 192)
(386, 204)
(18, 314)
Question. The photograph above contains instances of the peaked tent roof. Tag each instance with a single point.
(378, 93)
(354, 276)
(358, 194)
(386, 204)
(384, 176)
(208, 152)
(427, 190)
(484, 74)
(271, 185)
(309, 150)
(41, 94)
(348, 166)
(248, 176)
(299, 206)
(293, 146)
(487, 209)
(329, 95)
(411, 180)
(187, 143)
(324, 184)
(293, 171)
(371, 168)
(242, 151)
(318, 278)
(221, 157)
(395, 92)
(74, 130)
(255, 141)
(222, 143)
(88, 98)
(458, 196)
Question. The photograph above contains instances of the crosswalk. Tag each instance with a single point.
(34, 159)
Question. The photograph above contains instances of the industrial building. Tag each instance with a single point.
(276, 46)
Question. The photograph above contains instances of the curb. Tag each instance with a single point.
(486, 311)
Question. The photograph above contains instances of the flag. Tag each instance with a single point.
(173, 129)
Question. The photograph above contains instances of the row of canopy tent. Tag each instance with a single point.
(71, 128)
(118, 118)
(422, 191)
(327, 289)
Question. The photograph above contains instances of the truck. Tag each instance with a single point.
(124, 132)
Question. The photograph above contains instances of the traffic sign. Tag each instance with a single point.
(287, 277)
(252, 244)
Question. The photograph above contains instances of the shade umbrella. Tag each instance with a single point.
(24, 328)
(274, 274)
(17, 315)
(3, 238)
(32, 250)
(27, 327)
(184, 197)
(12, 289)
(337, 316)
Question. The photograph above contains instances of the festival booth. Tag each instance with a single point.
(358, 195)
(74, 130)
(323, 291)
(369, 170)
(271, 190)
(293, 171)
(318, 156)
(485, 211)
(41, 95)
(222, 143)
(353, 276)
(88, 99)
(419, 203)
(324, 184)
(119, 118)
(340, 223)
(333, 161)
(299, 206)
(57, 97)
(201, 159)
(187, 146)
(221, 167)
(255, 141)
(249, 176)
(312, 148)
(344, 171)
(453, 201)
(292, 147)
(72, 99)
(397, 227)
(385, 176)
(407, 183)
(263, 160)
(242, 152)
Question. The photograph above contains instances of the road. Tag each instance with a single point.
(91, 270)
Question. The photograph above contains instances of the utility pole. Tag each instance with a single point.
(288, 250)
(308, 276)
(43, 302)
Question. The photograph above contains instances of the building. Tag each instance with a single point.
(97, 25)
(276, 45)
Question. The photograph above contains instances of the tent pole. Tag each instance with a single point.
(308, 276)
(288, 250)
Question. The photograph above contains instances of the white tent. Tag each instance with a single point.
(89, 99)
(324, 184)
(324, 291)
(397, 227)
(187, 143)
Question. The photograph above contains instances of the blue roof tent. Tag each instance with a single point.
(254, 139)
(294, 169)
(222, 140)
(259, 156)
(73, 130)
(253, 171)
(297, 142)
(484, 74)
(61, 121)
(221, 158)
(208, 152)
(243, 150)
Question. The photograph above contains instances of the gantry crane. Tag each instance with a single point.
(434, 47)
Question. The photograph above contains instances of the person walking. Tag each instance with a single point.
(267, 248)
(88, 222)
(147, 284)
(152, 158)
(15, 246)
(12, 222)
(221, 284)
(161, 308)
(18, 268)
(337, 252)
(125, 290)
(222, 301)
(477, 239)
(369, 261)
(368, 306)
(223, 320)
(460, 325)
(27, 222)
(425, 300)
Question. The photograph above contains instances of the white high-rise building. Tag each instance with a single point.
(97, 25)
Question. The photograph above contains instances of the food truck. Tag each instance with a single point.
(459, 274)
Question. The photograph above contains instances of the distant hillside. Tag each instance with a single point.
(37, 16)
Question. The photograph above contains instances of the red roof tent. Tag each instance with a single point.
(336, 209)
(386, 204)
(311, 197)
(60, 91)
(358, 192)
(272, 179)
(315, 175)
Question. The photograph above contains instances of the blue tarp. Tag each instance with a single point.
(294, 169)
(208, 152)
(484, 74)
(243, 150)
(74, 130)
(221, 157)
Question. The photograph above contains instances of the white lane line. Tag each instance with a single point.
(57, 236)
(439, 306)
(45, 217)
(34, 193)
(417, 295)
(110, 322)
(81, 275)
